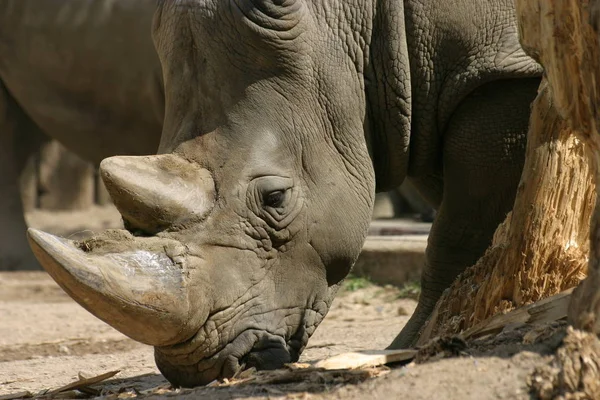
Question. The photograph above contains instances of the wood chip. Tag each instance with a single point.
(82, 383)
(550, 309)
(304, 376)
(367, 358)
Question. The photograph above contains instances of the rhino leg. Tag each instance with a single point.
(19, 139)
(484, 152)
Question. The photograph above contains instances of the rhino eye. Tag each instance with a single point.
(274, 199)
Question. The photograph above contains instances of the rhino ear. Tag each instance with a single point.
(153, 193)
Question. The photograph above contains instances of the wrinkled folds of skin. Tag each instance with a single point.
(258, 204)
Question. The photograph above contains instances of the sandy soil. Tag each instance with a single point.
(46, 340)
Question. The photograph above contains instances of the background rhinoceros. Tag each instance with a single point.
(281, 118)
(85, 73)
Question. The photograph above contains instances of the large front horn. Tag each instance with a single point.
(153, 193)
(142, 293)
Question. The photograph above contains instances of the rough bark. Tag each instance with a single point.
(542, 248)
(584, 311)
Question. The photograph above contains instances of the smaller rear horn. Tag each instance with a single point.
(153, 193)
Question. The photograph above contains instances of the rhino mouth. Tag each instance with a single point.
(252, 348)
(269, 353)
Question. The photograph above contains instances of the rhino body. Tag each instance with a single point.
(83, 72)
(281, 120)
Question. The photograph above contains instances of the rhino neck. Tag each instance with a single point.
(374, 36)
(388, 91)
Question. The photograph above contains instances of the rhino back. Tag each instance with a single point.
(86, 72)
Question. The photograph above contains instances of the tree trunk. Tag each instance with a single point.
(543, 247)
(584, 310)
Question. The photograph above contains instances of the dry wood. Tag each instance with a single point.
(584, 312)
(550, 309)
(367, 358)
(574, 373)
(83, 383)
(565, 36)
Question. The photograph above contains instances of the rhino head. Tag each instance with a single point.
(258, 202)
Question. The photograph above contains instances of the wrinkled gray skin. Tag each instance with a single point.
(281, 118)
(83, 72)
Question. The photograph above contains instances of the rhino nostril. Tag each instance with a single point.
(135, 230)
(268, 353)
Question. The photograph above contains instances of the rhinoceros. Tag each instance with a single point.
(83, 72)
(282, 118)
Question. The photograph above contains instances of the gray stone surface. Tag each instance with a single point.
(399, 227)
(394, 260)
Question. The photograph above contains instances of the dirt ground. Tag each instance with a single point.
(46, 340)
